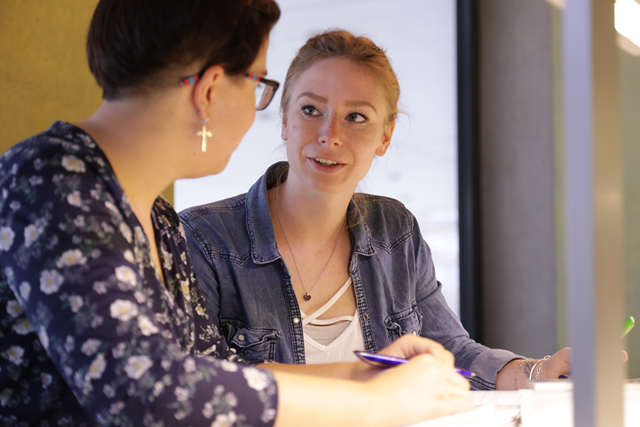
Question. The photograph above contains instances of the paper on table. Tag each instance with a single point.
(499, 398)
(481, 416)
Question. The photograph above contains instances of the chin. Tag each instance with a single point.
(203, 170)
(219, 167)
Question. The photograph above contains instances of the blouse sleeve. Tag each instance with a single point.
(67, 253)
(207, 279)
(441, 324)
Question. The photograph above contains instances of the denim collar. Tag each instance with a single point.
(264, 248)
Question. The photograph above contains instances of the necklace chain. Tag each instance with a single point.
(307, 295)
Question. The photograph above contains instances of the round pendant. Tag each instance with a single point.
(307, 297)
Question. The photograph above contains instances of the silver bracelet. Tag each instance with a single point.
(515, 380)
(533, 368)
(540, 367)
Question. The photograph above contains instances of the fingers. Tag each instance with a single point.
(410, 346)
(438, 370)
(425, 387)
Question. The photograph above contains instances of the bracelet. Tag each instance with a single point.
(515, 380)
(533, 368)
(540, 367)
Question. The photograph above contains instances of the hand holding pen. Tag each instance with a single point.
(383, 361)
(427, 379)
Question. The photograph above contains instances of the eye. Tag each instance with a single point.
(357, 117)
(309, 110)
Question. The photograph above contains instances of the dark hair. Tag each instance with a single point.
(135, 46)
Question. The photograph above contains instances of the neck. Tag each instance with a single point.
(139, 137)
(309, 216)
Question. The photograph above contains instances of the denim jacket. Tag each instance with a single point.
(249, 296)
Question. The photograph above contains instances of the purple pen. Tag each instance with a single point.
(384, 361)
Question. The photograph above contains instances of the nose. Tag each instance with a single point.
(330, 131)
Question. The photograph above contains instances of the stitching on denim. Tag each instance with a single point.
(363, 308)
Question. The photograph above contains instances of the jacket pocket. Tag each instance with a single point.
(403, 323)
(252, 345)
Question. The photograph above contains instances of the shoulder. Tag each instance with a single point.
(387, 212)
(222, 220)
(387, 220)
(61, 149)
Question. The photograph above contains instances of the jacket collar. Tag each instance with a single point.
(264, 248)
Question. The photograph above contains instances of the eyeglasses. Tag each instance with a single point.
(265, 89)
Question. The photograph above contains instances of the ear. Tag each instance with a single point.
(386, 139)
(284, 132)
(206, 89)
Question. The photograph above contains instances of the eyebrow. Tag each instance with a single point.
(348, 103)
(313, 96)
(360, 103)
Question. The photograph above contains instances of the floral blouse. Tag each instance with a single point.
(89, 333)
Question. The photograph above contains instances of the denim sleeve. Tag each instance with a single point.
(440, 323)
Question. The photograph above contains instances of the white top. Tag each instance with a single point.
(332, 340)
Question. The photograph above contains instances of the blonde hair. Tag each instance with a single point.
(335, 44)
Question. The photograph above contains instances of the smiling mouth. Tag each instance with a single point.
(326, 162)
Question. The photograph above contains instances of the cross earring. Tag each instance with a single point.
(204, 133)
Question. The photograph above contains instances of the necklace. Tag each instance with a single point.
(307, 295)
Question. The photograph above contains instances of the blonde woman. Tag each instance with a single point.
(302, 270)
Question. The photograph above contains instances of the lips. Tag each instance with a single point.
(323, 164)
(326, 162)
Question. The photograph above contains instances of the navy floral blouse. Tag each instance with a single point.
(89, 334)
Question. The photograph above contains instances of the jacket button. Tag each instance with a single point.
(244, 352)
(365, 316)
(296, 320)
(240, 337)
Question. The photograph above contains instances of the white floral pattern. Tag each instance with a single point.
(50, 281)
(146, 326)
(90, 346)
(123, 310)
(71, 257)
(73, 164)
(97, 367)
(6, 238)
(31, 234)
(137, 366)
(22, 326)
(126, 275)
(25, 290)
(75, 303)
(14, 309)
(79, 292)
(74, 199)
(14, 354)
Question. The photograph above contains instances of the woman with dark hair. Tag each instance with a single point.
(103, 323)
(302, 270)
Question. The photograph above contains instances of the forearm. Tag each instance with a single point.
(517, 374)
(324, 402)
(506, 378)
(547, 368)
(418, 390)
(357, 371)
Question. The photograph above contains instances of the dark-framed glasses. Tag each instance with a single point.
(265, 88)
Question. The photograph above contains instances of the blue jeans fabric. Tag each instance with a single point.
(249, 296)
